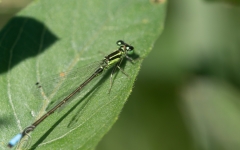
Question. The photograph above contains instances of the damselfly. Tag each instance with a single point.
(114, 60)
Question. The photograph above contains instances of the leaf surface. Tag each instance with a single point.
(49, 37)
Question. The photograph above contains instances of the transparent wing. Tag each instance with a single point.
(55, 88)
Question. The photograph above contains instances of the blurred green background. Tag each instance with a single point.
(186, 96)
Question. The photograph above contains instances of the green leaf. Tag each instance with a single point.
(49, 37)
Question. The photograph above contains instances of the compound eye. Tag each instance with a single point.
(120, 42)
(129, 49)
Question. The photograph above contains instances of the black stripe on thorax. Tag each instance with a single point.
(114, 55)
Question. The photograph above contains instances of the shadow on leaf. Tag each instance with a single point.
(22, 38)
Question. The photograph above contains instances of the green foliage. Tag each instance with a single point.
(187, 94)
(49, 37)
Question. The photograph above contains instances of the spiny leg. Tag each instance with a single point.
(122, 71)
(130, 59)
(118, 65)
(111, 78)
